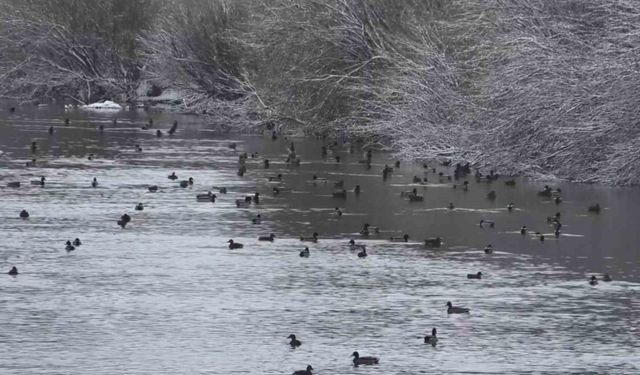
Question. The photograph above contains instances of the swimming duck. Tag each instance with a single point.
(94, 183)
(510, 206)
(595, 208)
(158, 133)
(66, 121)
(491, 223)
(139, 207)
(404, 238)
(433, 242)
(355, 246)
(363, 252)
(90, 157)
(337, 212)
(491, 195)
(13, 271)
(305, 253)
(342, 194)
(488, 249)
(34, 147)
(185, 183)
(31, 163)
(367, 229)
(313, 238)
(256, 198)
(13, 184)
(511, 182)
(414, 197)
(69, 246)
(431, 339)
(124, 220)
(101, 128)
(173, 128)
(304, 372)
(77, 242)
(455, 309)
(24, 214)
(242, 170)
(357, 360)
(557, 200)
(593, 280)
(232, 146)
(267, 238)
(51, 130)
(172, 176)
(208, 197)
(356, 190)
(38, 182)
(451, 206)
(241, 203)
(294, 342)
(319, 179)
(276, 178)
(606, 277)
(474, 275)
(523, 230)
(153, 189)
(235, 245)
(257, 219)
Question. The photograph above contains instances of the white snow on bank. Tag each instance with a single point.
(103, 105)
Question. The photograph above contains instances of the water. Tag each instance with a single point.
(166, 296)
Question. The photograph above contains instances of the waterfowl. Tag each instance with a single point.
(593, 280)
(491, 195)
(451, 206)
(356, 190)
(69, 246)
(276, 178)
(232, 146)
(50, 130)
(474, 275)
(523, 230)
(242, 170)
(242, 203)
(158, 133)
(455, 309)
(186, 183)
(90, 157)
(313, 238)
(138, 148)
(24, 214)
(404, 238)
(94, 183)
(13, 271)
(416, 180)
(66, 121)
(414, 197)
(101, 128)
(208, 197)
(257, 219)
(77, 242)
(433, 242)
(256, 198)
(153, 188)
(13, 184)
(557, 200)
(304, 253)
(173, 128)
(606, 277)
(235, 245)
(357, 360)
(124, 220)
(595, 208)
(139, 207)
(294, 342)
(397, 164)
(342, 194)
(222, 190)
(511, 182)
(38, 182)
(363, 252)
(488, 249)
(483, 221)
(172, 176)
(355, 246)
(31, 163)
(431, 339)
(304, 372)
(319, 179)
(270, 237)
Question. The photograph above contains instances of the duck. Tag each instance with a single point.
(158, 133)
(172, 176)
(357, 360)
(337, 212)
(557, 200)
(451, 206)
(139, 207)
(313, 238)
(404, 238)
(13, 184)
(488, 249)
(594, 208)
(275, 178)
(433, 242)
(356, 190)
(366, 229)
(66, 121)
(523, 230)
(124, 220)
(305, 253)
(173, 128)
(606, 277)
(39, 182)
(31, 163)
(90, 156)
(415, 197)
(101, 128)
(208, 197)
(304, 372)
(242, 170)
(511, 182)
(491, 195)
(222, 190)
(153, 188)
(491, 223)
(24, 214)
(241, 203)
(232, 146)
(593, 280)
(51, 130)
(270, 237)
(34, 147)
(510, 206)
(319, 179)
(342, 194)
(339, 184)
(94, 183)
(355, 246)
(257, 219)
(294, 342)
(13, 271)
(455, 309)
(256, 198)
(185, 183)
(69, 246)
(432, 338)
(363, 252)
(77, 242)
(474, 275)
(235, 245)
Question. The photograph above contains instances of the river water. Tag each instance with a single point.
(166, 295)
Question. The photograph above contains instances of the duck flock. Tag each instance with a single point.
(458, 176)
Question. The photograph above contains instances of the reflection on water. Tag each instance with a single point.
(166, 295)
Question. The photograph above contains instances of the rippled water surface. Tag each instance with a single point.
(166, 295)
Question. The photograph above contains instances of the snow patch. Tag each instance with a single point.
(103, 105)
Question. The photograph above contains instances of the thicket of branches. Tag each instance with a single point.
(524, 86)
